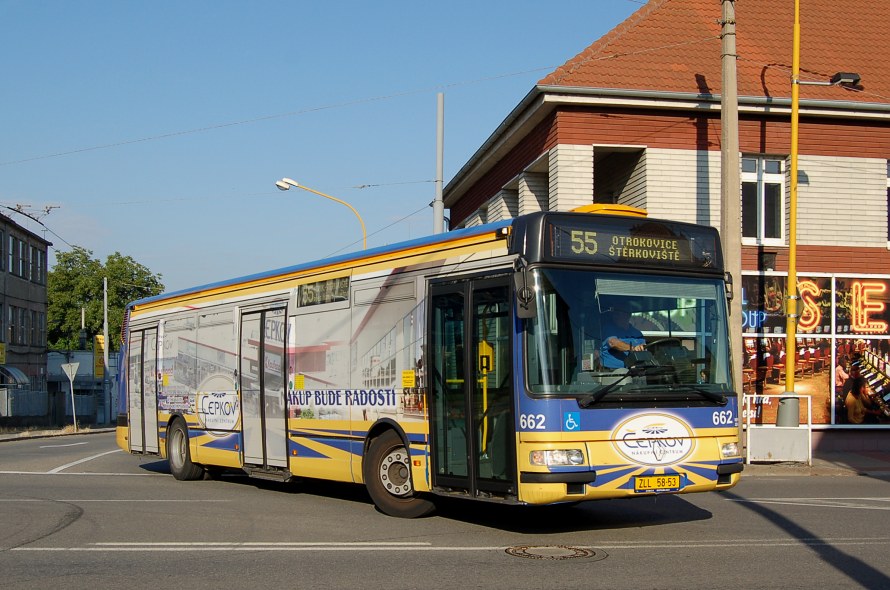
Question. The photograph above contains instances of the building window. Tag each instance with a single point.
(23, 259)
(22, 330)
(11, 324)
(888, 203)
(41, 326)
(11, 252)
(41, 265)
(763, 200)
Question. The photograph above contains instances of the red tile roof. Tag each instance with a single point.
(675, 46)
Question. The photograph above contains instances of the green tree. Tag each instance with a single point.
(75, 283)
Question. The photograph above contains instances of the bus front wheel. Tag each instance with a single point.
(387, 472)
(178, 453)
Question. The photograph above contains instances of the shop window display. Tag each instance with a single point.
(842, 337)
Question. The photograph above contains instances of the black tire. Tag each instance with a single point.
(387, 471)
(178, 454)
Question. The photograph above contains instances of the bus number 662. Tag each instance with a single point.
(725, 418)
(532, 421)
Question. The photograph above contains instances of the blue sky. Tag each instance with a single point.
(158, 129)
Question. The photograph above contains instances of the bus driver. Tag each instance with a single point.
(619, 337)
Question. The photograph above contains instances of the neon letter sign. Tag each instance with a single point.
(862, 307)
(811, 316)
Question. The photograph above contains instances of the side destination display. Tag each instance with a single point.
(639, 242)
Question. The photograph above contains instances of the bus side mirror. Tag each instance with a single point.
(525, 295)
(728, 286)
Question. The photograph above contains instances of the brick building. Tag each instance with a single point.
(635, 119)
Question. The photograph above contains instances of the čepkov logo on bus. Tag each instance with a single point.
(654, 439)
(217, 405)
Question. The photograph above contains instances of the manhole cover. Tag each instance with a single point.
(555, 552)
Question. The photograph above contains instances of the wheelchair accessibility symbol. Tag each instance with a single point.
(571, 421)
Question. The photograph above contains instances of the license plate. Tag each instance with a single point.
(657, 483)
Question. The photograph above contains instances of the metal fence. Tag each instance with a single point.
(15, 401)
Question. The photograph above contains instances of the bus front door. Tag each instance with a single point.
(262, 388)
(470, 366)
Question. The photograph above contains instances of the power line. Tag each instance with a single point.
(384, 228)
(18, 209)
(214, 127)
(216, 198)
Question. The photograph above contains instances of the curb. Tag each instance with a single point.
(36, 434)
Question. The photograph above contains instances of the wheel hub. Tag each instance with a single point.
(395, 473)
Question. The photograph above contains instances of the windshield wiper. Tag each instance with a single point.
(635, 371)
(640, 370)
(596, 396)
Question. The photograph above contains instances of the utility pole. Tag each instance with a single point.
(730, 184)
(438, 205)
(105, 392)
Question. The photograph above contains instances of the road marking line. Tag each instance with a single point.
(274, 544)
(60, 446)
(84, 460)
(878, 498)
(819, 503)
(162, 547)
(2, 500)
(76, 474)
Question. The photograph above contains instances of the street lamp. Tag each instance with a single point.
(839, 79)
(285, 183)
(789, 407)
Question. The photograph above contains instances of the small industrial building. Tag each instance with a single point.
(23, 272)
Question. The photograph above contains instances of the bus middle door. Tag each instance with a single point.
(262, 389)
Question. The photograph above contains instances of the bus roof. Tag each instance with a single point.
(417, 243)
(646, 242)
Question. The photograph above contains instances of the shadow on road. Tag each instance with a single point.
(161, 466)
(854, 568)
(586, 516)
(583, 516)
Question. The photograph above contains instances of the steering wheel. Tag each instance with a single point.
(661, 341)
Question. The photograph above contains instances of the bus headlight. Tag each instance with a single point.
(557, 458)
(730, 450)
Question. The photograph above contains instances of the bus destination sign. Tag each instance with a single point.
(640, 242)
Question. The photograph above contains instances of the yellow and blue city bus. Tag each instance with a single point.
(480, 363)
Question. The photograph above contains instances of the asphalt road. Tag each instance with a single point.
(75, 512)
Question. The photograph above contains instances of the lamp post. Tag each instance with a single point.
(789, 407)
(285, 183)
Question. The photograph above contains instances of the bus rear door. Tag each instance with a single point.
(142, 394)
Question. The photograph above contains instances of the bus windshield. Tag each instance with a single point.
(628, 338)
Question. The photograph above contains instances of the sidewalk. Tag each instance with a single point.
(833, 463)
(871, 463)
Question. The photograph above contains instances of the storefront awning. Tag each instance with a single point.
(14, 375)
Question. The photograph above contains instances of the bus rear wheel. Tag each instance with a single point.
(387, 472)
(178, 453)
